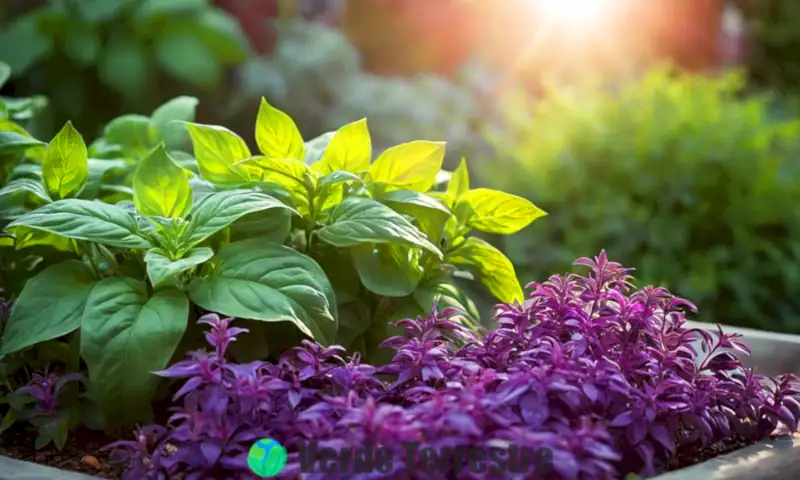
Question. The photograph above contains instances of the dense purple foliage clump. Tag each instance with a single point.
(603, 377)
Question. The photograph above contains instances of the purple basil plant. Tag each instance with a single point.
(590, 379)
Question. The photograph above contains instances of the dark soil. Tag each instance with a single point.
(686, 457)
(81, 453)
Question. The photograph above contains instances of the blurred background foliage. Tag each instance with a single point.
(677, 175)
(687, 172)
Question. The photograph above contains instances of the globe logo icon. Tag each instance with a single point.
(266, 458)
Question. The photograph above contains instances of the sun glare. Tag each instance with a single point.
(575, 12)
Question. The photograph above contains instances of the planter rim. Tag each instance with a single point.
(13, 469)
(772, 459)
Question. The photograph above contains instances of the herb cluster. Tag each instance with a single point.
(133, 238)
(604, 376)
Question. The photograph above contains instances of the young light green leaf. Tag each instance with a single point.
(358, 220)
(277, 135)
(217, 149)
(388, 270)
(411, 166)
(50, 306)
(271, 283)
(493, 211)
(350, 150)
(26, 185)
(85, 220)
(125, 337)
(288, 173)
(160, 187)
(489, 264)
(459, 183)
(331, 188)
(161, 270)
(25, 237)
(15, 142)
(169, 120)
(65, 167)
(221, 209)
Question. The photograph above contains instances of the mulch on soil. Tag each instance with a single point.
(81, 453)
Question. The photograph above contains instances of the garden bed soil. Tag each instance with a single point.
(81, 453)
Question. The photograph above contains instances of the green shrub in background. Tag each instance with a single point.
(96, 58)
(675, 174)
(772, 39)
(316, 75)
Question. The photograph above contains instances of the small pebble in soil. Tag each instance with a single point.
(90, 461)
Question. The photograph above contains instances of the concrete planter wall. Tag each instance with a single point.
(778, 459)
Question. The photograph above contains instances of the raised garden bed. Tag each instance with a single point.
(775, 458)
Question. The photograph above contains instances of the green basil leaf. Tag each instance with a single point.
(399, 198)
(50, 306)
(489, 264)
(290, 175)
(269, 225)
(170, 120)
(26, 185)
(429, 214)
(354, 320)
(155, 8)
(388, 270)
(185, 56)
(349, 150)
(5, 73)
(65, 168)
(340, 270)
(358, 220)
(160, 187)
(134, 134)
(339, 176)
(271, 283)
(217, 149)
(277, 135)
(85, 220)
(125, 64)
(26, 237)
(493, 211)
(125, 337)
(161, 270)
(331, 188)
(15, 142)
(315, 148)
(221, 209)
(410, 166)
(448, 295)
(458, 185)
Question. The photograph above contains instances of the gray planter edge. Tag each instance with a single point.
(776, 459)
(12, 469)
(772, 459)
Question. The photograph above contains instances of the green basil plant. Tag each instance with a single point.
(314, 238)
